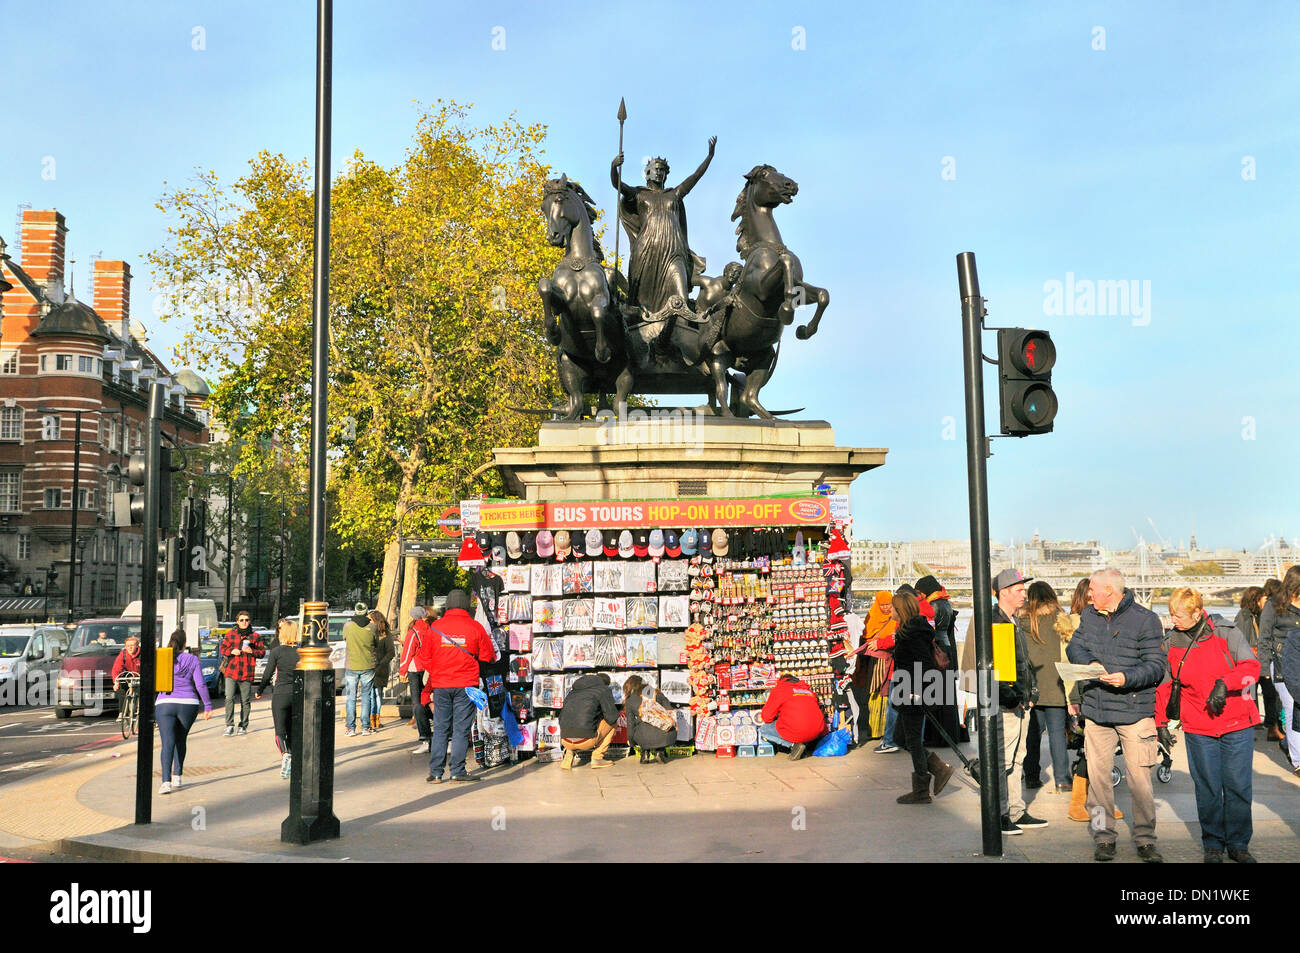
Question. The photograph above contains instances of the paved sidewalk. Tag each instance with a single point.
(694, 809)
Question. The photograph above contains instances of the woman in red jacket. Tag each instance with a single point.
(1217, 674)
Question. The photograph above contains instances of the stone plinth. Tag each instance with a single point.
(680, 455)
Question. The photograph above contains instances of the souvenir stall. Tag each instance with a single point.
(708, 600)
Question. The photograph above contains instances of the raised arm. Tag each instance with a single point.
(688, 183)
(625, 191)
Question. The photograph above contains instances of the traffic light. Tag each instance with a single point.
(128, 507)
(194, 520)
(171, 561)
(1025, 359)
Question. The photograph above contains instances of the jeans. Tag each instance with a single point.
(351, 680)
(174, 724)
(1287, 702)
(1221, 771)
(912, 718)
(768, 732)
(245, 692)
(453, 717)
(1050, 720)
(421, 712)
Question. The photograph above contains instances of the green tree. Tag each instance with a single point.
(436, 329)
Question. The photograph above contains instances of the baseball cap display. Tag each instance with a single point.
(545, 544)
(672, 545)
(690, 542)
(641, 543)
(656, 543)
(499, 555)
(529, 544)
(563, 545)
(720, 546)
(484, 542)
(594, 542)
(706, 543)
(610, 546)
(1009, 577)
(625, 544)
(514, 546)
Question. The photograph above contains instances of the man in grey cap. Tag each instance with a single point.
(1016, 700)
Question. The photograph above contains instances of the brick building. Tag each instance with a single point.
(60, 358)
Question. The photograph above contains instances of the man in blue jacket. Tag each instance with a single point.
(1120, 707)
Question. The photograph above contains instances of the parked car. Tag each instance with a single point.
(270, 639)
(30, 659)
(85, 679)
(209, 660)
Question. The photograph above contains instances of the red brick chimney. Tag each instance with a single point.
(44, 234)
(112, 295)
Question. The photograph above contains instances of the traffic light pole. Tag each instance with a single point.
(149, 606)
(311, 780)
(988, 716)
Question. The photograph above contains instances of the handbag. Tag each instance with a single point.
(1174, 705)
(656, 716)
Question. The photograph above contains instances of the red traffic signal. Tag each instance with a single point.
(1025, 362)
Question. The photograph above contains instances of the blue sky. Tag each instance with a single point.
(1122, 163)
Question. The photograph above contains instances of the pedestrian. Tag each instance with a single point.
(126, 664)
(1016, 701)
(916, 678)
(383, 663)
(1120, 707)
(1039, 618)
(653, 739)
(879, 634)
(409, 669)
(449, 658)
(1279, 625)
(1268, 684)
(362, 642)
(175, 711)
(240, 649)
(792, 716)
(1208, 688)
(280, 665)
(588, 720)
(930, 590)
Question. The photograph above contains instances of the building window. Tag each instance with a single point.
(112, 434)
(53, 498)
(63, 362)
(50, 427)
(87, 498)
(11, 493)
(24, 546)
(86, 365)
(9, 362)
(11, 423)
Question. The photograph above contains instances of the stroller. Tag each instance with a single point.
(1074, 742)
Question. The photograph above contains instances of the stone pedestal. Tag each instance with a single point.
(677, 454)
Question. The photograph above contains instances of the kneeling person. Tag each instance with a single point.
(792, 716)
(587, 720)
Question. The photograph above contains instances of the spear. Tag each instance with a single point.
(618, 196)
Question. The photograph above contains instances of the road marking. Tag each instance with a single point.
(24, 766)
(96, 744)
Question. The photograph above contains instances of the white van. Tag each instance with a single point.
(199, 614)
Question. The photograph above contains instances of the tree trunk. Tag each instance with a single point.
(410, 588)
(389, 586)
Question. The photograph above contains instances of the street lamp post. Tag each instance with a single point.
(230, 552)
(257, 579)
(311, 785)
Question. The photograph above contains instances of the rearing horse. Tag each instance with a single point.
(581, 317)
(770, 288)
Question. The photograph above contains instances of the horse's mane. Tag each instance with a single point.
(588, 206)
(742, 202)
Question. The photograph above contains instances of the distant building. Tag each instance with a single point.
(60, 358)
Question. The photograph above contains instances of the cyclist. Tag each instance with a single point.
(127, 662)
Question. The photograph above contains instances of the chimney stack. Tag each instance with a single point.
(44, 240)
(112, 295)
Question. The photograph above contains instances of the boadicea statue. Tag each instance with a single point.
(643, 332)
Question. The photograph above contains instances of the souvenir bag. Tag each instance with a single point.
(548, 739)
(706, 733)
(656, 715)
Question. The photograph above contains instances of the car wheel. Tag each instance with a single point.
(62, 712)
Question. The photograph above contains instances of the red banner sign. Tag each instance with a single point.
(632, 514)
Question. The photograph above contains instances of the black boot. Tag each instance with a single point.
(920, 790)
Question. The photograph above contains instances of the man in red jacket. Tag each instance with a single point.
(449, 657)
(792, 716)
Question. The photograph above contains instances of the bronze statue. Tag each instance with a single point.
(581, 318)
(660, 262)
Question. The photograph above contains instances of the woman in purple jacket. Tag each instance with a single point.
(176, 710)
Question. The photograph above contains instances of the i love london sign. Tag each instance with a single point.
(631, 514)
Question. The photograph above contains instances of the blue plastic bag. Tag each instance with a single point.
(478, 697)
(833, 745)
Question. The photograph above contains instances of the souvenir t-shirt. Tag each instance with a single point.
(642, 650)
(611, 614)
(547, 579)
(579, 615)
(611, 651)
(577, 579)
(642, 612)
(548, 654)
(639, 577)
(548, 615)
(517, 577)
(674, 612)
(579, 651)
(673, 576)
(609, 576)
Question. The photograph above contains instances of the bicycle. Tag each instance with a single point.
(128, 718)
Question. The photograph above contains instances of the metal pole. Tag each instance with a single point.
(991, 781)
(76, 511)
(279, 603)
(149, 608)
(311, 780)
(257, 590)
(230, 552)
